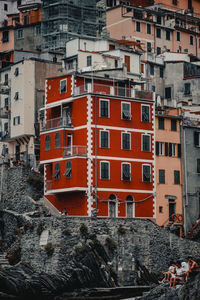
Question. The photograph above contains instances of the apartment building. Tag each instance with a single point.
(102, 155)
(157, 28)
(168, 165)
(118, 59)
(22, 95)
(22, 31)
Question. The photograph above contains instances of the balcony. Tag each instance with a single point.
(56, 123)
(113, 90)
(75, 151)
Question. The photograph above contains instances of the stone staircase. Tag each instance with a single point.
(3, 261)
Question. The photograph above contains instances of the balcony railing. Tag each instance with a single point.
(112, 90)
(75, 150)
(57, 122)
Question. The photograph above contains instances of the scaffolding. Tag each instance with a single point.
(63, 20)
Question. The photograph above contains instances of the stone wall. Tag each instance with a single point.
(135, 239)
(20, 189)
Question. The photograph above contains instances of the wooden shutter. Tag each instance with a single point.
(157, 148)
(179, 150)
(166, 149)
(170, 149)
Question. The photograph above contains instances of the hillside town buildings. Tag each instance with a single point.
(124, 59)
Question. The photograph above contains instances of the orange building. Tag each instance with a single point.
(97, 145)
(157, 29)
(168, 166)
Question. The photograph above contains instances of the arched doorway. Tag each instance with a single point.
(130, 207)
(112, 206)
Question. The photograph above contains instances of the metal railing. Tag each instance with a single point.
(57, 122)
(75, 150)
(113, 90)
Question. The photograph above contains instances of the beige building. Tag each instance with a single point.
(26, 80)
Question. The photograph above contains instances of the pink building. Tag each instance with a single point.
(158, 30)
(168, 166)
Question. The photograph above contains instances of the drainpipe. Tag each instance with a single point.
(95, 145)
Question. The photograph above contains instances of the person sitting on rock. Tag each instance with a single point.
(193, 265)
(170, 272)
(185, 268)
(178, 276)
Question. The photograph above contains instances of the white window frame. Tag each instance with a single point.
(173, 149)
(116, 207)
(101, 100)
(129, 103)
(150, 173)
(17, 118)
(22, 36)
(149, 142)
(125, 163)
(122, 140)
(133, 202)
(104, 161)
(149, 113)
(62, 80)
(108, 139)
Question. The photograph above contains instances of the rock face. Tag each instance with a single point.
(189, 291)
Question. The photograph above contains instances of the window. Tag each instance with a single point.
(151, 69)
(162, 176)
(168, 36)
(146, 173)
(173, 125)
(63, 86)
(159, 148)
(129, 207)
(191, 40)
(5, 37)
(146, 143)
(161, 72)
(88, 84)
(158, 33)
(104, 171)
(116, 63)
(20, 34)
(112, 206)
(89, 61)
(16, 73)
(5, 7)
(161, 123)
(38, 30)
(126, 141)
(148, 28)
(199, 43)
(168, 93)
(6, 79)
(104, 108)
(56, 173)
(68, 172)
(6, 103)
(149, 47)
(158, 19)
(26, 20)
(158, 50)
(16, 120)
(104, 139)
(47, 142)
(153, 88)
(138, 26)
(172, 149)
(176, 177)
(6, 126)
(174, 2)
(16, 97)
(198, 165)
(145, 113)
(126, 111)
(197, 139)
(187, 89)
(160, 209)
(57, 140)
(126, 172)
(178, 36)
